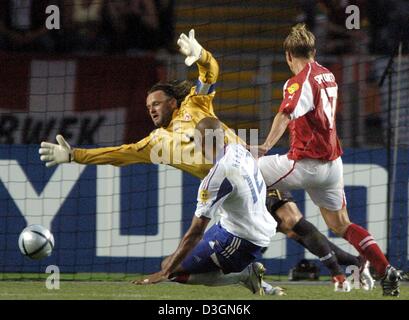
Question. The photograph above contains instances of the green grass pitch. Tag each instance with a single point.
(118, 287)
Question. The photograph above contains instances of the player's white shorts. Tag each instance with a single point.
(322, 180)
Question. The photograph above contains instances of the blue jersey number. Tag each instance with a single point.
(255, 181)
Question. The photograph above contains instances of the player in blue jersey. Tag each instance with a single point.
(225, 253)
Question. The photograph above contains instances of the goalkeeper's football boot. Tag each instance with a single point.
(391, 281)
(254, 281)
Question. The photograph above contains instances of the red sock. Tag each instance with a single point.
(363, 241)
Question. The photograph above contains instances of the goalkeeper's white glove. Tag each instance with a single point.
(190, 47)
(54, 154)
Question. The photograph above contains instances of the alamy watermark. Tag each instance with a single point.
(191, 148)
(53, 280)
(53, 21)
(353, 21)
(355, 275)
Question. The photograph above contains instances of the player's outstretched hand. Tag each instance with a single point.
(190, 47)
(258, 151)
(53, 154)
(152, 279)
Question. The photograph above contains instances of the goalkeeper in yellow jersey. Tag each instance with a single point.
(175, 109)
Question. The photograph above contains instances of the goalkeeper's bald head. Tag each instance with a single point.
(211, 136)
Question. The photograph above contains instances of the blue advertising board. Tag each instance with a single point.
(109, 219)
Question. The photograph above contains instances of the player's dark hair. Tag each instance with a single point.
(300, 43)
(175, 89)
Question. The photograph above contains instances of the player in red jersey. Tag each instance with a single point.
(314, 162)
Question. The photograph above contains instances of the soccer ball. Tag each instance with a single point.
(36, 242)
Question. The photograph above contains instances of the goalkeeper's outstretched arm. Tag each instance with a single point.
(207, 64)
(140, 152)
(208, 72)
(53, 154)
